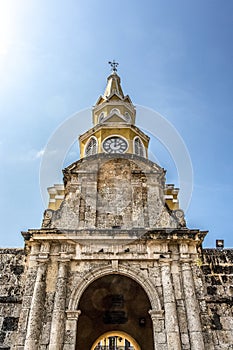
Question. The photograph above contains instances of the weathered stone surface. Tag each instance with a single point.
(12, 265)
(212, 290)
(217, 270)
(113, 224)
(113, 191)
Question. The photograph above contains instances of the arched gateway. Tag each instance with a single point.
(116, 298)
(135, 274)
(114, 303)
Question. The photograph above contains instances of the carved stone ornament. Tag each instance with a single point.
(179, 216)
(47, 218)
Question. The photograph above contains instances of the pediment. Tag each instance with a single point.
(114, 118)
(114, 97)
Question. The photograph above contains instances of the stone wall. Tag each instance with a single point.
(217, 267)
(11, 289)
(213, 278)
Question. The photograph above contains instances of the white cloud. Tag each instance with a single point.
(40, 153)
(31, 155)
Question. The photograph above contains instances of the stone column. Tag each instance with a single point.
(58, 318)
(27, 296)
(179, 297)
(157, 317)
(71, 329)
(37, 308)
(171, 319)
(192, 308)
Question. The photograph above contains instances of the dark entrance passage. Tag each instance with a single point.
(114, 303)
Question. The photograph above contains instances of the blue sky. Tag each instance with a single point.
(175, 58)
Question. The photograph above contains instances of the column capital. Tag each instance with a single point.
(156, 314)
(73, 314)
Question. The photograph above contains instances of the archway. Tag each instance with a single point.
(115, 341)
(114, 304)
(135, 274)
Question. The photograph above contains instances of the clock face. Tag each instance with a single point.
(115, 144)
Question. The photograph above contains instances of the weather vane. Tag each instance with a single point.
(114, 65)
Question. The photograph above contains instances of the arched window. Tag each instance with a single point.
(91, 147)
(139, 148)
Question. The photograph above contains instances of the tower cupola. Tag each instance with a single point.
(114, 128)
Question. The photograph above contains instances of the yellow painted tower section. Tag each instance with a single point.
(114, 129)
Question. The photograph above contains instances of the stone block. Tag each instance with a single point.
(226, 322)
(185, 341)
(161, 338)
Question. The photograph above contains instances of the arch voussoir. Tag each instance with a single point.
(135, 274)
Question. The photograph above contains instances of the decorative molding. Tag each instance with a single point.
(73, 314)
(156, 314)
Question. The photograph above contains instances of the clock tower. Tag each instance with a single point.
(114, 129)
(114, 265)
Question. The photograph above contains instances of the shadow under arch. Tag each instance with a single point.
(114, 302)
(118, 334)
(127, 271)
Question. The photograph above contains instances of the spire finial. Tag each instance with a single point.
(114, 65)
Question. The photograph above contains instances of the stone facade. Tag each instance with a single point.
(106, 191)
(189, 294)
(114, 255)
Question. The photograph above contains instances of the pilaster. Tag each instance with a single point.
(171, 319)
(37, 308)
(27, 297)
(58, 318)
(157, 317)
(71, 329)
(192, 308)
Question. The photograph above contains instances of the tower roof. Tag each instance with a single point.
(113, 88)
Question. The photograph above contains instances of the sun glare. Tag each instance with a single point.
(8, 10)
